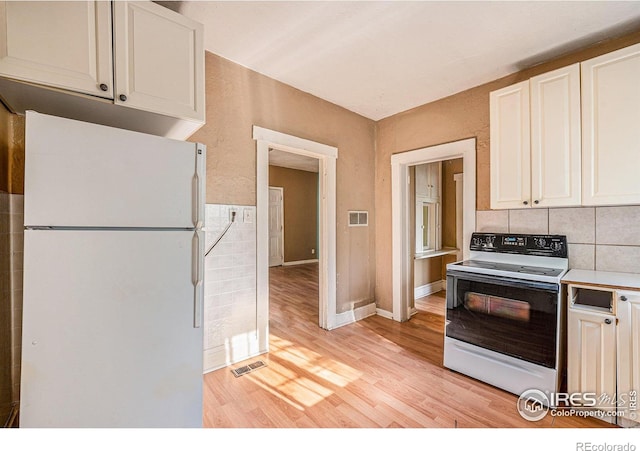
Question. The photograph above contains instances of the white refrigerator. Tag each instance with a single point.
(113, 270)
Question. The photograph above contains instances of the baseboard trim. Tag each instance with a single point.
(384, 313)
(430, 288)
(299, 262)
(342, 319)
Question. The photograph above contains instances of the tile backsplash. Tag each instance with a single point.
(11, 251)
(230, 322)
(600, 238)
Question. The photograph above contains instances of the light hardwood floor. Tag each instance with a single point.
(376, 373)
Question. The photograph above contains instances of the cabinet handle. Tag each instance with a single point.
(525, 202)
(104, 87)
(536, 202)
(607, 321)
(123, 97)
(623, 298)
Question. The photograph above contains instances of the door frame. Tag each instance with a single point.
(327, 155)
(402, 248)
(281, 189)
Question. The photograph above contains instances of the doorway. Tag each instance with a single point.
(436, 215)
(403, 246)
(326, 157)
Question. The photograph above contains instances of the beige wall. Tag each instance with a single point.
(460, 116)
(11, 152)
(300, 192)
(238, 99)
(449, 168)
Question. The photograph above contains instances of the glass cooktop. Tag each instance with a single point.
(511, 268)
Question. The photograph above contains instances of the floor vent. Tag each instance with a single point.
(248, 368)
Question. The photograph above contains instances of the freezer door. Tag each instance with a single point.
(85, 175)
(108, 329)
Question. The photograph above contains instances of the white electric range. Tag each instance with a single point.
(504, 305)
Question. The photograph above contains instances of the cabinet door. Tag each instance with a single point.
(428, 181)
(422, 180)
(159, 60)
(611, 128)
(61, 44)
(510, 147)
(555, 138)
(591, 352)
(628, 308)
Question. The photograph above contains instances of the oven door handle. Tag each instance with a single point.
(517, 283)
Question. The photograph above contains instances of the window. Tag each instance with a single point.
(427, 226)
(427, 211)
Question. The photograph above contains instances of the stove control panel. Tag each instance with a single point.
(541, 245)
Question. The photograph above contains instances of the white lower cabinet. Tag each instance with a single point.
(591, 365)
(628, 368)
(603, 350)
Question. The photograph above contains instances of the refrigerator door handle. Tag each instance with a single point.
(198, 186)
(197, 269)
(197, 222)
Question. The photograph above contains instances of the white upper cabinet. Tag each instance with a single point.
(555, 138)
(535, 142)
(510, 147)
(61, 44)
(428, 181)
(159, 60)
(611, 128)
(144, 60)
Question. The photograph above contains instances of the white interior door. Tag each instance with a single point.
(108, 329)
(81, 175)
(276, 226)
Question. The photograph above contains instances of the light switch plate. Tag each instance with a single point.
(247, 216)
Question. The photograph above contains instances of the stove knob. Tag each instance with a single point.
(556, 246)
(477, 241)
(542, 242)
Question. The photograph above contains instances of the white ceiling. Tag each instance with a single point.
(383, 57)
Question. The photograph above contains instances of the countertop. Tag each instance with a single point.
(623, 280)
(438, 253)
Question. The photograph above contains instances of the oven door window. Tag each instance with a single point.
(514, 317)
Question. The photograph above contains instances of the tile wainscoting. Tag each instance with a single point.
(11, 258)
(230, 322)
(600, 238)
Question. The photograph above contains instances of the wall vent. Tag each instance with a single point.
(358, 218)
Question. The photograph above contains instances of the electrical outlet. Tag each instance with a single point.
(313, 251)
(231, 212)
